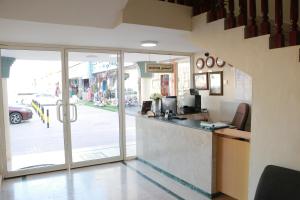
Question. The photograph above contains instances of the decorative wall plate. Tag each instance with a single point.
(220, 62)
(200, 63)
(210, 61)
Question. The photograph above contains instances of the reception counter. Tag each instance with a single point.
(206, 161)
(181, 149)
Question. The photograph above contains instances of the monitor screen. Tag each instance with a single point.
(146, 107)
(198, 103)
(188, 100)
(169, 103)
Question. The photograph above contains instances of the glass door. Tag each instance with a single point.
(94, 111)
(31, 89)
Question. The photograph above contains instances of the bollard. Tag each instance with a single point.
(48, 118)
(43, 114)
(38, 107)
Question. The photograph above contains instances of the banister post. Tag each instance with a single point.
(265, 27)
(277, 40)
(251, 28)
(294, 35)
(196, 7)
(212, 14)
(221, 11)
(230, 21)
(242, 18)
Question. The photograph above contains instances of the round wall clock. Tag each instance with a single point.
(210, 61)
(200, 63)
(220, 63)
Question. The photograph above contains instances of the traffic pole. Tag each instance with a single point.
(48, 118)
(43, 114)
(39, 107)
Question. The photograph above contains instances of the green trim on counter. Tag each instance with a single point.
(154, 182)
(177, 179)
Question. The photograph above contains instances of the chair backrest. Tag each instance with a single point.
(241, 115)
(278, 183)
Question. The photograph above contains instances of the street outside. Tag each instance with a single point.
(95, 135)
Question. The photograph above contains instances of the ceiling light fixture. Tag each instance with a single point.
(149, 43)
(113, 55)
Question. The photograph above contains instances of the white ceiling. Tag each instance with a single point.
(123, 36)
(93, 13)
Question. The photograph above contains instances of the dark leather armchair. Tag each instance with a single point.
(241, 115)
(278, 183)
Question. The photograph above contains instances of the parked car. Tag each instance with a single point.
(46, 99)
(17, 114)
(51, 100)
(25, 98)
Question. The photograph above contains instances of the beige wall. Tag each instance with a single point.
(158, 13)
(95, 13)
(99, 13)
(276, 92)
(222, 108)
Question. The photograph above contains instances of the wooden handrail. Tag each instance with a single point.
(216, 10)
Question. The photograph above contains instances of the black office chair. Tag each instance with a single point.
(278, 183)
(241, 116)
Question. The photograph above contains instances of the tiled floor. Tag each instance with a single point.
(104, 182)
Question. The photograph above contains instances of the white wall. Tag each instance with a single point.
(275, 134)
(222, 108)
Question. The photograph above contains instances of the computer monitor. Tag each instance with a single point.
(188, 100)
(146, 107)
(169, 103)
(198, 103)
(195, 92)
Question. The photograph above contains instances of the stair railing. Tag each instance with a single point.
(218, 9)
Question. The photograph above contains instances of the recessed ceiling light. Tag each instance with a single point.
(91, 56)
(113, 55)
(149, 43)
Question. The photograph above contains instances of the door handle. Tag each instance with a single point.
(74, 113)
(58, 109)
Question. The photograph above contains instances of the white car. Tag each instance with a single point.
(25, 98)
(46, 99)
(50, 100)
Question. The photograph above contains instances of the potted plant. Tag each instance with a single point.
(156, 97)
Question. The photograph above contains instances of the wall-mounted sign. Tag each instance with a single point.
(6, 63)
(160, 68)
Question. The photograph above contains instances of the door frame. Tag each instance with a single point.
(66, 115)
(72, 164)
(5, 122)
(63, 49)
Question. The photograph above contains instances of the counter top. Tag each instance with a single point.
(234, 133)
(196, 124)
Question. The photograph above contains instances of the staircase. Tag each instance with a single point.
(281, 34)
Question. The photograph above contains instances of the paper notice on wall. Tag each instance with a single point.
(243, 86)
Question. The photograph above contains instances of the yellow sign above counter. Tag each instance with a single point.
(160, 68)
